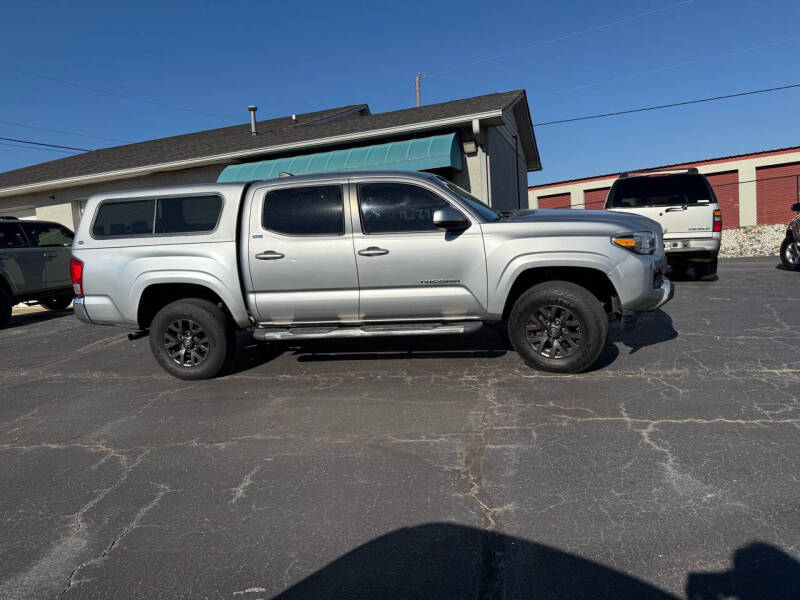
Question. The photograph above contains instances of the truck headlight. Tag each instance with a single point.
(641, 242)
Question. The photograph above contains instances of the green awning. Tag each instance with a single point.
(409, 155)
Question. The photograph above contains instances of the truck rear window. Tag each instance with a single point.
(664, 190)
(157, 216)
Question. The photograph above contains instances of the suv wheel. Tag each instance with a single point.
(558, 326)
(706, 271)
(56, 303)
(190, 338)
(790, 259)
(5, 308)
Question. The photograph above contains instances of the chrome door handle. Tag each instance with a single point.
(675, 208)
(269, 255)
(373, 251)
(50, 254)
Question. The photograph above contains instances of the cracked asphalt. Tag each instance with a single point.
(412, 468)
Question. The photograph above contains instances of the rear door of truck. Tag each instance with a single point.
(683, 204)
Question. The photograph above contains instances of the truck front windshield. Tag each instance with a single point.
(479, 207)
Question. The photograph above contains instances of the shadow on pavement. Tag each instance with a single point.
(489, 342)
(653, 328)
(442, 560)
(39, 316)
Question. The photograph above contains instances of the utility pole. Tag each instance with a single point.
(416, 84)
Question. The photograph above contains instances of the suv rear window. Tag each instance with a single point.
(157, 216)
(659, 190)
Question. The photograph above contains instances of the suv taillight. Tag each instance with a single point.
(76, 272)
(717, 220)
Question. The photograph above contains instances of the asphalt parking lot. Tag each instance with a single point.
(413, 468)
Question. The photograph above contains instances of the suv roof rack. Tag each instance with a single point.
(4, 218)
(645, 172)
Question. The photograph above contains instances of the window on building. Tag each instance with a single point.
(190, 214)
(47, 235)
(11, 236)
(397, 207)
(317, 210)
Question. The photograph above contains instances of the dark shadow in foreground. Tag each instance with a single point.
(444, 561)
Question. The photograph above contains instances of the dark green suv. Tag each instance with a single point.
(34, 265)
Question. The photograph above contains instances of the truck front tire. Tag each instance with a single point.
(191, 338)
(5, 308)
(558, 326)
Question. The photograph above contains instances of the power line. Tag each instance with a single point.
(672, 105)
(560, 38)
(37, 148)
(44, 144)
(85, 135)
(666, 68)
(117, 94)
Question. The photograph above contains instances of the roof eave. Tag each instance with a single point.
(265, 151)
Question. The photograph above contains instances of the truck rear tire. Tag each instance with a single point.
(558, 326)
(789, 256)
(191, 338)
(5, 308)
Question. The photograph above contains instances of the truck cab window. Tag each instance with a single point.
(316, 210)
(397, 207)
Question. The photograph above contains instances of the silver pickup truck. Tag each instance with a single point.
(357, 254)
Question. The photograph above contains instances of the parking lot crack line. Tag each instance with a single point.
(163, 490)
(239, 490)
(56, 561)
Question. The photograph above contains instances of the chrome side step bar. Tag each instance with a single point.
(263, 334)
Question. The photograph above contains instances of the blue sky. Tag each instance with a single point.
(292, 57)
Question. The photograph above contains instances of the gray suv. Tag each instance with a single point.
(34, 265)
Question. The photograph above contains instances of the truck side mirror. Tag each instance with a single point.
(450, 219)
(796, 207)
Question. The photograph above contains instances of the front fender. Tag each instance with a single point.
(500, 286)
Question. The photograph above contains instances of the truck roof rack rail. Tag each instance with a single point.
(645, 172)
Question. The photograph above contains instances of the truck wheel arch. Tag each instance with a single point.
(594, 280)
(157, 295)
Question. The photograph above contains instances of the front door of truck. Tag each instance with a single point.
(408, 269)
(300, 255)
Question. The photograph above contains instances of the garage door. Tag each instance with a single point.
(776, 191)
(595, 199)
(554, 201)
(726, 187)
